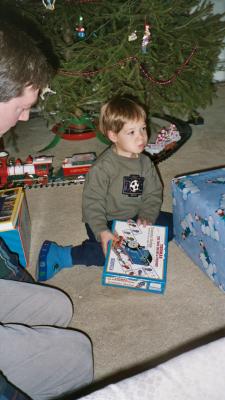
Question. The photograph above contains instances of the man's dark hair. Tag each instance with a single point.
(22, 63)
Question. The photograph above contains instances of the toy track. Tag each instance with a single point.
(51, 183)
(65, 182)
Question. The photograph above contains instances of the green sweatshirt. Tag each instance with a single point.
(118, 187)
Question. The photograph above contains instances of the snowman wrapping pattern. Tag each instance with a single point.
(199, 220)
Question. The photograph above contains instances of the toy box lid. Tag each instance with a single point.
(138, 260)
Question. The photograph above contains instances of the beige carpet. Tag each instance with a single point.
(130, 330)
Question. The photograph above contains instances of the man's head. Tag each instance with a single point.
(24, 71)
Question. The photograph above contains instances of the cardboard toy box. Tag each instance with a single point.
(138, 260)
(199, 220)
(18, 238)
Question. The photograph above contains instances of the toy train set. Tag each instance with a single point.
(39, 171)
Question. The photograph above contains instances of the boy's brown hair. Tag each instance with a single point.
(22, 64)
(118, 111)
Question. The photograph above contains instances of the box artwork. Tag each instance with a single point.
(199, 220)
(18, 238)
(10, 203)
(138, 260)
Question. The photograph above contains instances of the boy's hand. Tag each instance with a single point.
(143, 221)
(105, 236)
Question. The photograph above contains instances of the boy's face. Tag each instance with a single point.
(132, 138)
(17, 109)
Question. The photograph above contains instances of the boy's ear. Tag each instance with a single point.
(112, 136)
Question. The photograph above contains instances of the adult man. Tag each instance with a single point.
(37, 354)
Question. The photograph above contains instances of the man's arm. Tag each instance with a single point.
(10, 267)
(9, 391)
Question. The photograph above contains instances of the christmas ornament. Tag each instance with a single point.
(80, 31)
(49, 4)
(46, 90)
(146, 39)
(132, 36)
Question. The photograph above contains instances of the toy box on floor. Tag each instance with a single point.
(199, 220)
(138, 259)
(15, 225)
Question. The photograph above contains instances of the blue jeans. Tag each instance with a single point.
(90, 251)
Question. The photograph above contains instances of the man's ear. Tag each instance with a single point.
(112, 136)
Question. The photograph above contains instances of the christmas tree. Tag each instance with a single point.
(164, 52)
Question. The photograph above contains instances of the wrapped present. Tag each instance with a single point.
(199, 220)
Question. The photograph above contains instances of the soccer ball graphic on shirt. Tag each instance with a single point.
(134, 186)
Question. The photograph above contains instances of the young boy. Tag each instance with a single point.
(123, 184)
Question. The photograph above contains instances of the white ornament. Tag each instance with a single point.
(46, 90)
(132, 36)
(49, 4)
